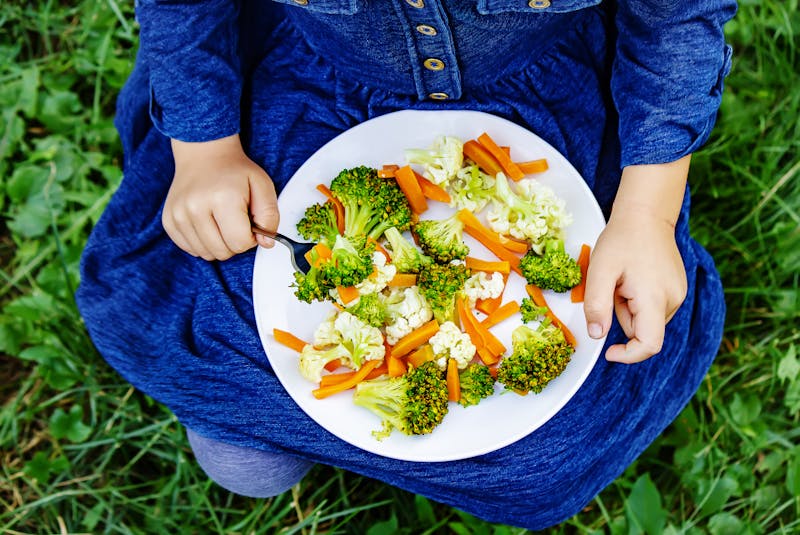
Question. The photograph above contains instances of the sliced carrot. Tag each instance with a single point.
(289, 340)
(336, 378)
(453, 381)
(487, 306)
(338, 207)
(403, 279)
(533, 166)
(490, 266)
(480, 335)
(493, 371)
(347, 293)
(415, 338)
(396, 366)
(577, 292)
(511, 169)
(420, 356)
(323, 253)
(432, 191)
(333, 365)
(506, 149)
(388, 171)
(483, 158)
(351, 382)
(513, 244)
(538, 298)
(488, 238)
(487, 357)
(408, 183)
(502, 313)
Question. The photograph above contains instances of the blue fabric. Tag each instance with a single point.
(182, 329)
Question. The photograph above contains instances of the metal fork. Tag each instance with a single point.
(298, 249)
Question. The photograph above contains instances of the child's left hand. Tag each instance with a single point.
(636, 269)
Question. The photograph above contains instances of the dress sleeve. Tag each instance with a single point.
(191, 50)
(670, 63)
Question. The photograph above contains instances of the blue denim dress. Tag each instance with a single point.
(608, 84)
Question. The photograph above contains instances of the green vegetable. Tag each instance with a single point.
(405, 255)
(553, 270)
(538, 356)
(476, 383)
(439, 284)
(531, 311)
(370, 309)
(414, 403)
(442, 239)
(351, 261)
(319, 223)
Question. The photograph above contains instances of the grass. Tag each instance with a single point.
(81, 452)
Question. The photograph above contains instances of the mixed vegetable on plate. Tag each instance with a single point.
(410, 328)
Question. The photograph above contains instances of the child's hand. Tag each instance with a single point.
(636, 269)
(215, 191)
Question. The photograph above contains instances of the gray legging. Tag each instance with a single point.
(247, 471)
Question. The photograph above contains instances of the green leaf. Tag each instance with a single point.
(789, 366)
(725, 524)
(387, 527)
(745, 410)
(69, 425)
(643, 508)
(424, 510)
(41, 466)
(793, 475)
(715, 494)
(93, 516)
(791, 398)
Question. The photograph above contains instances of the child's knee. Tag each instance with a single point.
(245, 471)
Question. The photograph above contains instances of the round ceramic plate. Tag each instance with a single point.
(465, 432)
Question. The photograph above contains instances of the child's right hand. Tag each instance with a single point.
(215, 191)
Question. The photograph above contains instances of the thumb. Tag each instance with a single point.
(264, 205)
(598, 301)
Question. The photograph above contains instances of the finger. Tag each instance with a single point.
(209, 235)
(264, 206)
(234, 228)
(598, 301)
(648, 335)
(624, 316)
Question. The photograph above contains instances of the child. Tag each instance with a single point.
(238, 95)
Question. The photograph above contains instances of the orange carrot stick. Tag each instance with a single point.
(513, 244)
(380, 248)
(289, 340)
(453, 381)
(533, 166)
(415, 338)
(396, 366)
(333, 365)
(502, 313)
(420, 356)
(483, 158)
(351, 382)
(488, 238)
(347, 293)
(431, 190)
(577, 293)
(538, 297)
(403, 279)
(509, 167)
(388, 171)
(408, 183)
(336, 378)
(338, 207)
(488, 358)
(490, 266)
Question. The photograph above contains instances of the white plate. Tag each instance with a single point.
(465, 432)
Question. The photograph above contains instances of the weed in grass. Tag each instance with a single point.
(80, 451)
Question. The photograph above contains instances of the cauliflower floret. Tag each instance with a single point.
(378, 281)
(313, 360)
(442, 161)
(362, 341)
(533, 213)
(326, 333)
(449, 342)
(471, 188)
(406, 310)
(484, 285)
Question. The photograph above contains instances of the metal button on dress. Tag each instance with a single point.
(424, 29)
(539, 4)
(433, 64)
(416, 3)
(301, 2)
(439, 96)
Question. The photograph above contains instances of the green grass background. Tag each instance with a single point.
(82, 452)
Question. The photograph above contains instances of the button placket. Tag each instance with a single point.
(431, 49)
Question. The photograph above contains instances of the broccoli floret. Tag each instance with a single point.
(313, 285)
(371, 204)
(414, 403)
(350, 262)
(531, 311)
(477, 383)
(405, 255)
(439, 284)
(442, 239)
(442, 161)
(554, 270)
(533, 213)
(471, 188)
(319, 223)
(370, 309)
(538, 356)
